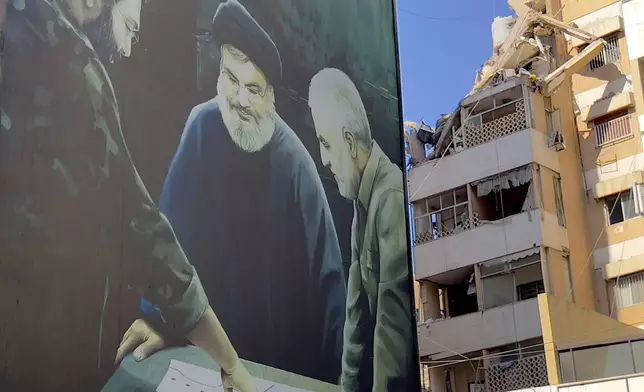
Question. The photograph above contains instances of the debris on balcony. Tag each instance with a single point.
(492, 118)
(456, 293)
(461, 300)
(417, 137)
(522, 48)
(437, 139)
(444, 129)
(505, 194)
(526, 49)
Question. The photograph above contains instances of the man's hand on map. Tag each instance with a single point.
(142, 339)
(237, 380)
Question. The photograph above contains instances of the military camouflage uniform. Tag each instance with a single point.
(78, 227)
(378, 337)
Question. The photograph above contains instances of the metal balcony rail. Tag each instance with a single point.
(613, 130)
(610, 54)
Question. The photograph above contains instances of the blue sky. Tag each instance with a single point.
(442, 43)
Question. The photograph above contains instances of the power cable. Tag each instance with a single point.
(510, 351)
(590, 255)
(440, 159)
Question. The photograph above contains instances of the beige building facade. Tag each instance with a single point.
(531, 195)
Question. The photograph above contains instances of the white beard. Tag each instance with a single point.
(249, 136)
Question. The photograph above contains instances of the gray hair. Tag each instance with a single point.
(332, 92)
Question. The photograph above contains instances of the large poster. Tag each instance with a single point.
(203, 195)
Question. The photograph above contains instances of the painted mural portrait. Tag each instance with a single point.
(378, 354)
(204, 195)
(235, 147)
(63, 151)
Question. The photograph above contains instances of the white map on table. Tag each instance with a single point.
(184, 377)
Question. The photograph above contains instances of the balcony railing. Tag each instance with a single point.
(613, 130)
(472, 222)
(610, 54)
(527, 372)
(477, 130)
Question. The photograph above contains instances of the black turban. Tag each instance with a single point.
(233, 25)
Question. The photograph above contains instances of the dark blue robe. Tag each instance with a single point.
(259, 231)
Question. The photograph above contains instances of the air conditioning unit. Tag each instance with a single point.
(556, 140)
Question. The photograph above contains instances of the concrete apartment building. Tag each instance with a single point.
(528, 206)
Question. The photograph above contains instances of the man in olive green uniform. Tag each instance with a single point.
(78, 226)
(378, 352)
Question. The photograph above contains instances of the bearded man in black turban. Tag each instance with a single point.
(247, 204)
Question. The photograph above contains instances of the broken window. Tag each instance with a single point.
(461, 300)
(459, 296)
(512, 278)
(504, 195)
(442, 215)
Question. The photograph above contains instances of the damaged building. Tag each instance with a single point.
(520, 197)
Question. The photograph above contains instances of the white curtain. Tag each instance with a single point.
(507, 180)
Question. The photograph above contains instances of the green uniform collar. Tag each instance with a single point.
(369, 175)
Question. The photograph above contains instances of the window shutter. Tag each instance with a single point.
(638, 201)
(556, 121)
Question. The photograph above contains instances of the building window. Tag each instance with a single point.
(561, 215)
(570, 292)
(620, 207)
(612, 128)
(530, 290)
(442, 215)
(507, 282)
(629, 290)
(597, 362)
(610, 54)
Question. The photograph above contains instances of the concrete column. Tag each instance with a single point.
(431, 305)
(479, 287)
(486, 364)
(437, 379)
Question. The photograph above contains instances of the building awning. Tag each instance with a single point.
(617, 184)
(495, 266)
